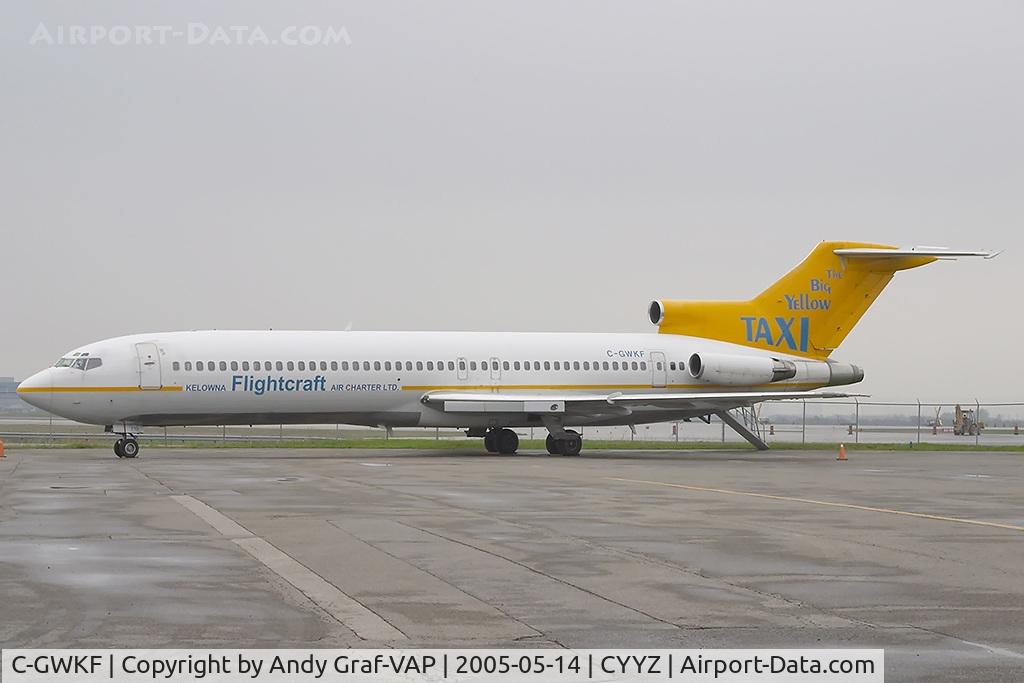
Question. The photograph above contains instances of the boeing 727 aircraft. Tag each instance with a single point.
(707, 358)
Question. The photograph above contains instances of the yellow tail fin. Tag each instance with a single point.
(811, 309)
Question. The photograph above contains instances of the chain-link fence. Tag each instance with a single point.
(851, 421)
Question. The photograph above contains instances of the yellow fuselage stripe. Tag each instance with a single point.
(584, 387)
(457, 387)
(62, 390)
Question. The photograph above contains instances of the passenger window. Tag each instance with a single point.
(615, 365)
(176, 365)
(430, 365)
(387, 365)
(279, 365)
(408, 366)
(290, 365)
(536, 365)
(245, 366)
(557, 365)
(643, 365)
(376, 365)
(234, 366)
(575, 365)
(419, 366)
(605, 365)
(334, 365)
(302, 365)
(472, 365)
(223, 365)
(516, 365)
(672, 365)
(451, 365)
(547, 365)
(312, 365)
(366, 365)
(505, 365)
(586, 365)
(188, 366)
(483, 365)
(256, 365)
(344, 365)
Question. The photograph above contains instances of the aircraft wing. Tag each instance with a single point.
(603, 404)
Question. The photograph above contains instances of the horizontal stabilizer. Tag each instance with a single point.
(937, 252)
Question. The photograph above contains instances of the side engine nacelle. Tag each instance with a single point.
(725, 369)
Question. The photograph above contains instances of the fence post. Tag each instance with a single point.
(918, 422)
(977, 419)
(803, 423)
(856, 421)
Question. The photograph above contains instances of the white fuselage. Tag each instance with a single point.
(369, 378)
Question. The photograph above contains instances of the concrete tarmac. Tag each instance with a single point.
(918, 553)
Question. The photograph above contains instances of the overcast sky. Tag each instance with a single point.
(513, 166)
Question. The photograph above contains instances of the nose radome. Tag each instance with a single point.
(37, 390)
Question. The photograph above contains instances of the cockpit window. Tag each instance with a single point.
(82, 362)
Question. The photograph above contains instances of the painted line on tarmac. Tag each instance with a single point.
(363, 621)
(826, 503)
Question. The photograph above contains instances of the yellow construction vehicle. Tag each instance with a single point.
(966, 423)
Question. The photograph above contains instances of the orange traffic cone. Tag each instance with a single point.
(842, 453)
(1, 449)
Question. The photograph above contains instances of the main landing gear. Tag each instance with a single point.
(503, 441)
(569, 442)
(126, 447)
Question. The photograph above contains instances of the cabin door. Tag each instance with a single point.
(149, 366)
(659, 369)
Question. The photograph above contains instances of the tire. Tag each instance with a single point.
(572, 444)
(117, 448)
(130, 448)
(507, 441)
(552, 445)
(490, 442)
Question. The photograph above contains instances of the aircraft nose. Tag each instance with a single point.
(37, 390)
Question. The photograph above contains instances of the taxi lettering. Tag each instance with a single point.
(792, 333)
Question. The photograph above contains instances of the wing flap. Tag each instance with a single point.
(604, 403)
